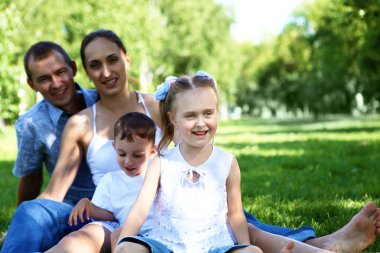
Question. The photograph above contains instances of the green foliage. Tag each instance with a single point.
(324, 58)
(9, 74)
(163, 38)
(321, 61)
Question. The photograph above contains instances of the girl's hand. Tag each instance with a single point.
(83, 206)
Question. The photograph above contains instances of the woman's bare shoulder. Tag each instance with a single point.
(81, 121)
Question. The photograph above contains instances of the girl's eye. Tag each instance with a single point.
(189, 116)
(121, 154)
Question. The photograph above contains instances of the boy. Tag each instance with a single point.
(117, 191)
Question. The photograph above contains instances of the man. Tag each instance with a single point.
(51, 72)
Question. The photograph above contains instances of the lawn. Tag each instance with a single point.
(294, 172)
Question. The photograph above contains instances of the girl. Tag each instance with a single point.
(197, 184)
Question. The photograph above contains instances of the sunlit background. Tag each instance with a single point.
(271, 58)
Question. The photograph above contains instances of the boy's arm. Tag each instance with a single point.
(144, 201)
(88, 209)
(99, 213)
(236, 216)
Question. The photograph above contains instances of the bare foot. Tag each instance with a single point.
(288, 248)
(355, 236)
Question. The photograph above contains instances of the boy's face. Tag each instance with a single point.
(133, 157)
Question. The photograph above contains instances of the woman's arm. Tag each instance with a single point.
(140, 209)
(70, 157)
(236, 216)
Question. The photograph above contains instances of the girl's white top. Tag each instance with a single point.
(192, 217)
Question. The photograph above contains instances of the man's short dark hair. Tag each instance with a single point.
(42, 50)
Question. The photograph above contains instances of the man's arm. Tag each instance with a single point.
(29, 187)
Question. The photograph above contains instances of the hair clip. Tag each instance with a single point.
(205, 74)
(163, 89)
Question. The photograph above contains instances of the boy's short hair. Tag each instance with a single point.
(135, 124)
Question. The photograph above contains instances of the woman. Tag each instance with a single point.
(89, 134)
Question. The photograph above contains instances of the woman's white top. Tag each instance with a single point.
(101, 155)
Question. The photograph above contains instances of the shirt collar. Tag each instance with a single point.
(55, 113)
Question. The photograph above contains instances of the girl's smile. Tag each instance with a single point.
(196, 122)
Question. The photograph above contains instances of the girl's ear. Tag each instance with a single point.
(172, 119)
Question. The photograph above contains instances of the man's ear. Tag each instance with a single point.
(73, 66)
(31, 84)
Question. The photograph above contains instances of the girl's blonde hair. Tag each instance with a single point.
(176, 86)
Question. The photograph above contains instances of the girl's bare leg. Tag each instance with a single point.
(271, 243)
(288, 248)
(92, 238)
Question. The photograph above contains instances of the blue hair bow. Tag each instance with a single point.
(163, 89)
(205, 74)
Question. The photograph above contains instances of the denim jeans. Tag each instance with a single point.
(301, 234)
(38, 225)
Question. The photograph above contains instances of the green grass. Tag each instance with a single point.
(303, 172)
(294, 172)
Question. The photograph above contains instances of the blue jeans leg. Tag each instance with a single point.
(301, 234)
(37, 225)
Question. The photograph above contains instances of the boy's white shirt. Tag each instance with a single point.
(117, 192)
